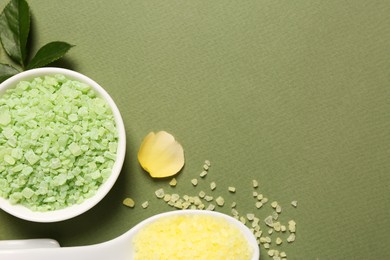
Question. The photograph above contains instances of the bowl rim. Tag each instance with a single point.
(25, 213)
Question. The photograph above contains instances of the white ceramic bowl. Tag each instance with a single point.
(74, 210)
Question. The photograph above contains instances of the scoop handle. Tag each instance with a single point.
(48, 249)
(28, 243)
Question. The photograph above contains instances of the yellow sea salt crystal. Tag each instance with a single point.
(173, 182)
(232, 189)
(269, 221)
(161, 155)
(283, 228)
(207, 162)
(220, 201)
(250, 216)
(208, 198)
(167, 197)
(210, 207)
(291, 238)
(203, 174)
(194, 182)
(291, 226)
(129, 202)
(294, 203)
(145, 204)
(255, 183)
(160, 193)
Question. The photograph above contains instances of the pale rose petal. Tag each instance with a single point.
(161, 155)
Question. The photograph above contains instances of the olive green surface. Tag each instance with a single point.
(295, 94)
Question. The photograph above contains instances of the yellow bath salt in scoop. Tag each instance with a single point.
(184, 234)
(161, 155)
(191, 236)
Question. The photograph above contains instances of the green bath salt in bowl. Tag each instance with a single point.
(62, 144)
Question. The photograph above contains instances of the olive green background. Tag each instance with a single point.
(295, 94)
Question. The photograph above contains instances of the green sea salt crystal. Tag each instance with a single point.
(17, 168)
(75, 149)
(9, 159)
(27, 193)
(8, 132)
(31, 157)
(5, 117)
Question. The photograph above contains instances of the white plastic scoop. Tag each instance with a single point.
(120, 248)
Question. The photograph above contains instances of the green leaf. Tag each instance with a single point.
(49, 53)
(7, 71)
(14, 30)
